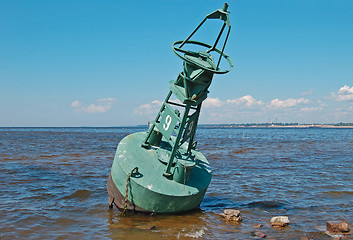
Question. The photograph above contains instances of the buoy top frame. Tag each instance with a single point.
(203, 59)
(176, 121)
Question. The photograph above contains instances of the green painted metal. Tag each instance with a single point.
(165, 172)
(149, 189)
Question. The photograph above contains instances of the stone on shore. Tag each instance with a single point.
(279, 221)
(337, 227)
(231, 215)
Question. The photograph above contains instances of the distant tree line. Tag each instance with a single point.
(273, 124)
(343, 124)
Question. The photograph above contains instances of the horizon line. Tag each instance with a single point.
(203, 124)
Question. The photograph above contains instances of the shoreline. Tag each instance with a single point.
(247, 125)
(301, 126)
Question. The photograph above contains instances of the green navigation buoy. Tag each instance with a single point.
(161, 170)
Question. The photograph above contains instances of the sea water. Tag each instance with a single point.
(53, 184)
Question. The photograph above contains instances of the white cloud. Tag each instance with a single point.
(148, 108)
(246, 100)
(345, 93)
(321, 103)
(212, 102)
(290, 102)
(107, 100)
(76, 104)
(311, 109)
(307, 93)
(103, 105)
(249, 109)
(346, 90)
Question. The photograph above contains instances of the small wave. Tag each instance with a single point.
(196, 233)
(339, 193)
(48, 156)
(214, 156)
(75, 155)
(45, 196)
(265, 204)
(80, 194)
(243, 150)
(22, 157)
(335, 235)
(65, 221)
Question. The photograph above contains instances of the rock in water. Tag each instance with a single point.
(337, 227)
(307, 238)
(257, 225)
(258, 234)
(231, 215)
(279, 221)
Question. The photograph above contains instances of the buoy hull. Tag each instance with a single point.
(148, 190)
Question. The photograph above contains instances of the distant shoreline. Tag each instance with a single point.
(276, 125)
(245, 125)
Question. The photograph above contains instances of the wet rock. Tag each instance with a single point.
(257, 225)
(307, 238)
(151, 228)
(148, 227)
(231, 215)
(258, 234)
(279, 221)
(337, 227)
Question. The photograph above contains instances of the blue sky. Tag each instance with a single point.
(108, 63)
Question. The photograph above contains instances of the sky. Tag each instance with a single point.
(109, 63)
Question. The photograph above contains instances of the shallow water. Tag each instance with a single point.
(53, 184)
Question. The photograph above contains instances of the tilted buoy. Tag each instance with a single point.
(161, 170)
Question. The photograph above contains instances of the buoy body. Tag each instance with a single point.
(147, 189)
(161, 170)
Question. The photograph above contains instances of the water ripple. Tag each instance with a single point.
(53, 183)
